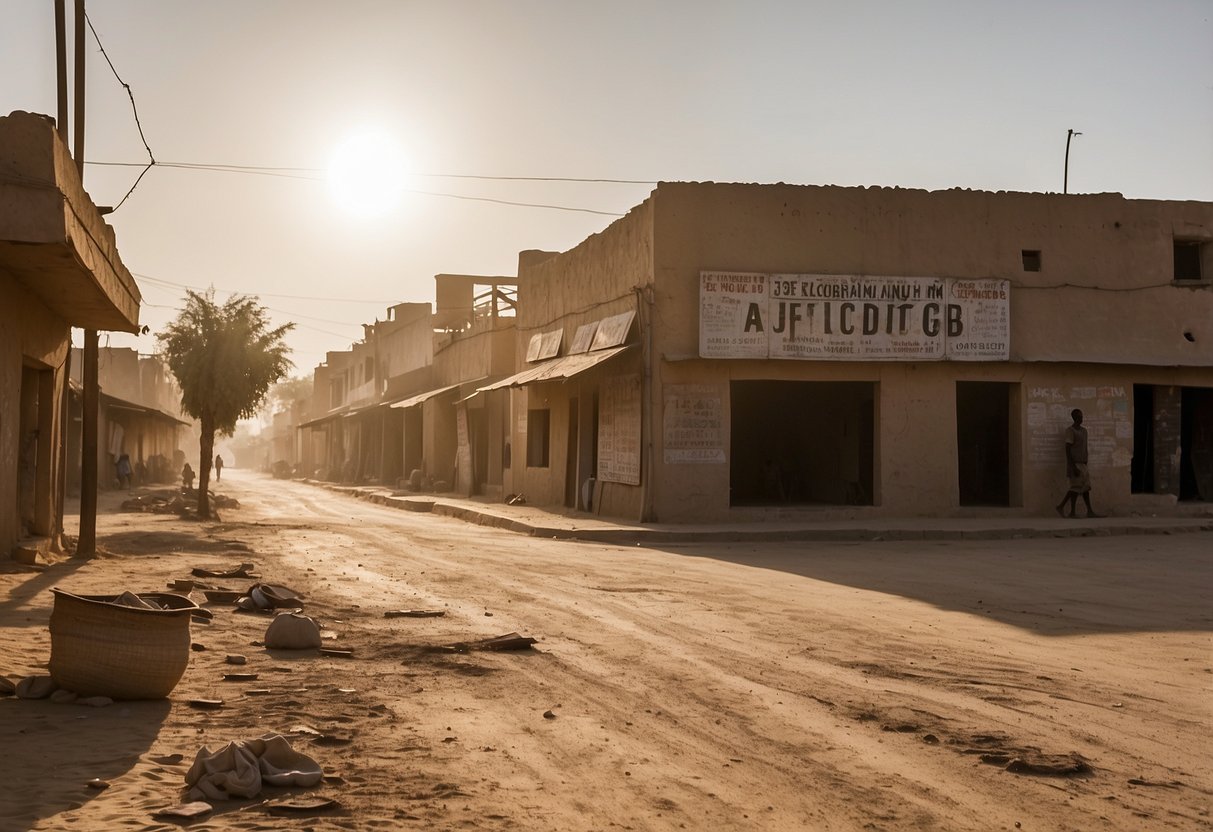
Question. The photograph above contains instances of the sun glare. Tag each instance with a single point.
(366, 174)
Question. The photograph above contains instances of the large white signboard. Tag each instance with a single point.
(853, 318)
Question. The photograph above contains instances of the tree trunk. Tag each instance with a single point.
(207, 447)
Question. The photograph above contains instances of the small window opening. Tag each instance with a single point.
(1031, 260)
(1187, 260)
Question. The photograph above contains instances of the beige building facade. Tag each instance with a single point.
(59, 267)
(851, 352)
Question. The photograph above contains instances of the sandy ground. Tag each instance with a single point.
(735, 686)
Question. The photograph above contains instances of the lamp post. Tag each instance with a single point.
(1065, 181)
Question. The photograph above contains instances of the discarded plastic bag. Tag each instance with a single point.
(239, 769)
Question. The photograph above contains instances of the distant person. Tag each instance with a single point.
(218, 467)
(1076, 468)
(124, 472)
(187, 476)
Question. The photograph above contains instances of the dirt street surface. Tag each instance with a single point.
(951, 685)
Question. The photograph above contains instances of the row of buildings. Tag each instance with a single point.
(748, 352)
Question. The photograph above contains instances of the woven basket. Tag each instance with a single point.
(99, 648)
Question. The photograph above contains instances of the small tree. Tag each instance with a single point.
(225, 357)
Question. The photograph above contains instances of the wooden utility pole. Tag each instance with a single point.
(87, 543)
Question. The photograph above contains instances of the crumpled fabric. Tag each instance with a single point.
(240, 768)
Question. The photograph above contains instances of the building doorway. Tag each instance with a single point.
(414, 437)
(1173, 425)
(570, 460)
(1196, 444)
(801, 443)
(34, 451)
(983, 427)
(478, 429)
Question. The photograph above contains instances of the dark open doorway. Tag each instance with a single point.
(570, 460)
(983, 422)
(1173, 441)
(801, 442)
(1196, 444)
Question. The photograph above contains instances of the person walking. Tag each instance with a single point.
(1076, 468)
(218, 467)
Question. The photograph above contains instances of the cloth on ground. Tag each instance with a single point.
(240, 768)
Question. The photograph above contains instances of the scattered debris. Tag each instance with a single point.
(509, 641)
(414, 613)
(269, 597)
(292, 631)
(36, 687)
(97, 783)
(206, 704)
(7, 688)
(240, 768)
(1050, 765)
(186, 811)
(239, 677)
(244, 570)
(221, 596)
(236, 658)
(549, 714)
(63, 697)
(168, 759)
(1140, 781)
(333, 651)
(300, 805)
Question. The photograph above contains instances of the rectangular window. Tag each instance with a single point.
(1188, 257)
(1031, 260)
(538, 435)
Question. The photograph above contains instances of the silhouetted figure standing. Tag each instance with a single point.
(218, 467)
(187, 476)
(1076, 468)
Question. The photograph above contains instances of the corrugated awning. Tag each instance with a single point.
(328, 417)
(122, 404)
(558, 369)
(420, 398)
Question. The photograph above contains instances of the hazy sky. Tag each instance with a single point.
(935, 95)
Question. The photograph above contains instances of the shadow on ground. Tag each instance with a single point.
(1061, 587)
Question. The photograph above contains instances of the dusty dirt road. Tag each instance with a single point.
(1035, 685)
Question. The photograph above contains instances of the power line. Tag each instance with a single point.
(260, 294)
(300, 325)
(135, 110)
(220, 166)
(282, 174)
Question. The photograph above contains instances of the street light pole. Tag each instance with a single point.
(1065, 182)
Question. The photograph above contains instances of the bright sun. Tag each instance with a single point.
(366, 174)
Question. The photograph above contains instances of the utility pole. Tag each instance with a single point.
(87, 543)
(1065, 181)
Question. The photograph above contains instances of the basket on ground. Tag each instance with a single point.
(99, 648)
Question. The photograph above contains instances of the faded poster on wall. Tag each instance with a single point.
(727, 304)
(693, 424)
(1106, 416)
(619, 430)
(853, 318)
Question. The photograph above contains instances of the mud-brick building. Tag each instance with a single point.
(139, 416)
(777, 350)
(59, 267)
